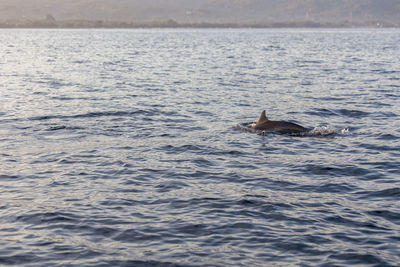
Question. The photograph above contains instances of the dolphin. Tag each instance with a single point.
(284, 127)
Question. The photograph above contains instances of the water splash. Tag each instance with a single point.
(327, 130)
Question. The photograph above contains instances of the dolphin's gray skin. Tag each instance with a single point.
(264, 124)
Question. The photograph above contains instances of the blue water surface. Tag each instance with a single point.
(124, 147)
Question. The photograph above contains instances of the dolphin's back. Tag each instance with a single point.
(280, 127)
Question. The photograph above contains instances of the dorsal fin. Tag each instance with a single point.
(262, 118)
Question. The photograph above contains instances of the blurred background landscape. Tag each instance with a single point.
(175, 13)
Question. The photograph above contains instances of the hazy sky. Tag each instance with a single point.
(204, 10)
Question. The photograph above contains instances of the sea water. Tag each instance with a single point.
(122, 147)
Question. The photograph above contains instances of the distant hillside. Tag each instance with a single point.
(212, 11)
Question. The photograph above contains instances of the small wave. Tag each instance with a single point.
(321, 112)
(90, 115)
(47, 217)
(338, 112)
(5, 177)
(385, 193)
(138, 263)
(391, 216)
(184, 148)
(55, 128)
(46, 117)
(62, 127)
(353, 113)
(107, 114)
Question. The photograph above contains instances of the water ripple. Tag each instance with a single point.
(131, 148)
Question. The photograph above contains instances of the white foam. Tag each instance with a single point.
(327, 130)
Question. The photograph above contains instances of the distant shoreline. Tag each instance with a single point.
(77, 24)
